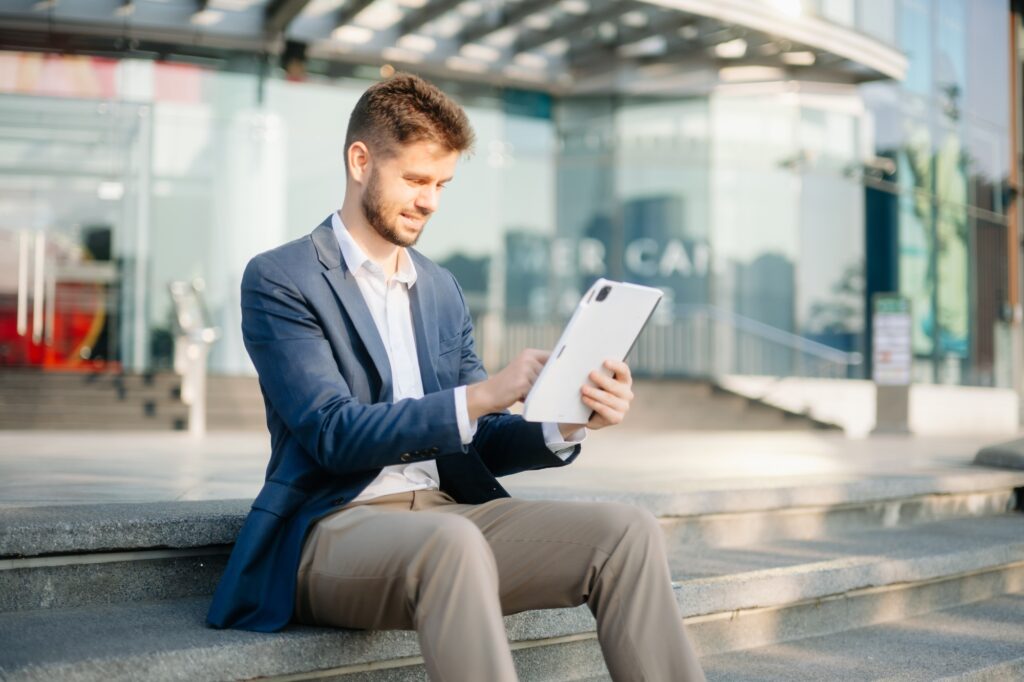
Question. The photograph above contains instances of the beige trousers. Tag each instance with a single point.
(420, 561)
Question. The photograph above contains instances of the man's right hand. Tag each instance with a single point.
(508, 386)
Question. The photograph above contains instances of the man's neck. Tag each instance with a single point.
(377, 249)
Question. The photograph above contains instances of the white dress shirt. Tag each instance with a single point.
(388, 301)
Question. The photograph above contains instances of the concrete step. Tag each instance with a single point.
(88, 408)
(69, 380)
(799, 510)
(159, 640)
(70, 556)
(96, 424)
(110, 405)
(739, 529)
(980, 641)
(717, 578)
(803, 493)
(33, 400)
(127, 417)
(784, 571)
(753, 567)
(44, 388)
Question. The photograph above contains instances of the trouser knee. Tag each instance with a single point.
(628, 525)
(454, 544)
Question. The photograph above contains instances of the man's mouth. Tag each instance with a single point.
(416, 220)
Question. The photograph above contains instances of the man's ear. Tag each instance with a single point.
(357, 158)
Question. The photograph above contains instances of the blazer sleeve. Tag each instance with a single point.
(507, 443)
(300, 376)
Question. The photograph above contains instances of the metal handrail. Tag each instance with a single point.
(770, 333)
(695, 340)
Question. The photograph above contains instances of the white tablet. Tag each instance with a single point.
(605, 324)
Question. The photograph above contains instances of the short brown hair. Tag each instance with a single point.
(404, 109)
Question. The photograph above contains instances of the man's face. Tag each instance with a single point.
(404, 190)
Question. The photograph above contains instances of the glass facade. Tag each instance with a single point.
(768, 212)
(943, 209)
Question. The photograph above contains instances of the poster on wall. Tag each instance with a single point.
(952, 250)
(933, 244)
(891, 323)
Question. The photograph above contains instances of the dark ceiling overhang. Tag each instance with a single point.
(558, 46)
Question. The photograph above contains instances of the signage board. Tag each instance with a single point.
(892, 329)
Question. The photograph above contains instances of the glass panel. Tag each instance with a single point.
(830, 273)
(988, 63)
(663, 181)
(878, 19)
(915, 39)
(755, 203)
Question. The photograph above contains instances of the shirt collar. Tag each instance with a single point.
(356, 258)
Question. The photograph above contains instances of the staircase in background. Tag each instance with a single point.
(38, 400)
(50, 400)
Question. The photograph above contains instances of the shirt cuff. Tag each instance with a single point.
(467, 428)
(557, 443)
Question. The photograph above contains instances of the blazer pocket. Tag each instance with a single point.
(280, 499)
(450, 344)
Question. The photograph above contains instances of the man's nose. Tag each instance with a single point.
(427, 199)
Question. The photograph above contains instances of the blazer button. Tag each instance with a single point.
(338, 501)
(435, 450)
(405, 457)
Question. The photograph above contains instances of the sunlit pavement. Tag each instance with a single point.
(79, 467)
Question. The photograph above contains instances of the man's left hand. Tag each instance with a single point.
(609, 397)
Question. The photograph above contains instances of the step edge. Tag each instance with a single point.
(739, 591)
(49, 671)
(158, 518)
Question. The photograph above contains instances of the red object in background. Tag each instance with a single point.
(79, 318)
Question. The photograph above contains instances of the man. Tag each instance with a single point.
(381, 508)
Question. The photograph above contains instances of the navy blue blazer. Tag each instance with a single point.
(327, 388)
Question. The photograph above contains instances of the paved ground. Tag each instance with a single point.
(70, 468)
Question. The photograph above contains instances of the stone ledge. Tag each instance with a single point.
(37, 531)
(715, 578)
(1009, 455)
(167, 640)
(799, 494)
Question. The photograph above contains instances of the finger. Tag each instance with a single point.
(607, 398)
(596, 421)
(608, 413)
(612, 385)
(621, 370)
(537, 354)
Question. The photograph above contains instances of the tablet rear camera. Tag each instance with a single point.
(603, 294)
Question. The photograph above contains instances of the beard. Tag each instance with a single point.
(375, 210)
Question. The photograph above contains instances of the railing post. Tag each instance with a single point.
(193, 383)
(191, 349)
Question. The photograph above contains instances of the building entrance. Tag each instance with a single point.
(73, 189)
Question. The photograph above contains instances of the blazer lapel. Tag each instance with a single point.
(423, 301)
(347, 290)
